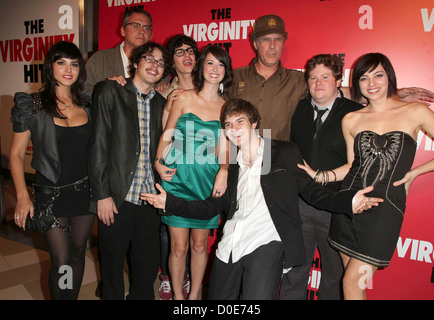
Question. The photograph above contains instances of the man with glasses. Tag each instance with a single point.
(136, 30)
(182, 59)
(127, 127)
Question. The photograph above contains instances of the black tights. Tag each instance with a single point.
(69, 252)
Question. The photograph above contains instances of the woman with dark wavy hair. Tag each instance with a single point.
(191, 166)
(57, 120)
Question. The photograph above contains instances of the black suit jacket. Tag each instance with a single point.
(115, 145)
(328, 150)
(281, 181)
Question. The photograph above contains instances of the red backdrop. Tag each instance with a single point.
(401, 29)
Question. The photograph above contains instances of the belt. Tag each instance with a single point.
(77, 186)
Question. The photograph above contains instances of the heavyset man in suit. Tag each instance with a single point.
(323, 148)
(262, 229)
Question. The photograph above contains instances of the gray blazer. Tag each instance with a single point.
(102, 65)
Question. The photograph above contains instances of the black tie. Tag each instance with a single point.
(318, 121)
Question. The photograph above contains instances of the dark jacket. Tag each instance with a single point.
(281, 183)
(115, 145)
(328, 150)
(27, 116)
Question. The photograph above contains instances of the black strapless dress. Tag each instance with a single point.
(379, 161)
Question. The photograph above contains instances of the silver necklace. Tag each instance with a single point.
(66, 105)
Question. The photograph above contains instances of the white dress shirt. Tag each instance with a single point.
(125, 61)
(251, 225)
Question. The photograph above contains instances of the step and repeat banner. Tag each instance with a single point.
(29, 29)
(401, 29)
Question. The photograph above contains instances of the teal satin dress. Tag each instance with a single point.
(193, 156)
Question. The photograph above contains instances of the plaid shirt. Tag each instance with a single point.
(143, 177)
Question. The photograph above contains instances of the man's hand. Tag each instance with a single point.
(156, 200)
(362, 203)
(414, 94)
(119, 79)
(105, 209)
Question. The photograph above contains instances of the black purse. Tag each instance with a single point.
(44, 219)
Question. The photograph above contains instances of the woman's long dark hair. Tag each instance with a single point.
(221, 55)
(59, 50)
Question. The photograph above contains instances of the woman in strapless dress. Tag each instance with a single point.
(381, 146)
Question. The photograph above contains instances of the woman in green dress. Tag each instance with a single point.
(190, 168)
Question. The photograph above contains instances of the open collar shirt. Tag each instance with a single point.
(251, 225)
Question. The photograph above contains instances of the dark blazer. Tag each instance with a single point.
(281, 182)
(328, 150)
(115, 145)
(28, 116)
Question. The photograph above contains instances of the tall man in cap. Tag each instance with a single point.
(272, 88)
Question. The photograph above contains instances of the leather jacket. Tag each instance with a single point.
(26, 115)
(115, 145)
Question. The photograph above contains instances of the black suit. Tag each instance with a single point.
(281, 182)
(114, 153)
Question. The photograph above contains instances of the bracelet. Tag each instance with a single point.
(334, 173)
(315, 176)
(160, 160)
(325, 177)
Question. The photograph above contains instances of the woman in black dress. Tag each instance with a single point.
(57, 121)
(381, 146)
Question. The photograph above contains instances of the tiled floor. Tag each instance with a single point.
(24, 267)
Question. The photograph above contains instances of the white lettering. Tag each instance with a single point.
(366, 21)
(428, 22)
(365, 281)
(425, 249)
(65, 281)
(402, 249)
(118, 3)
(228, 30)
(420, 250)
(65, 21)
(429, 145)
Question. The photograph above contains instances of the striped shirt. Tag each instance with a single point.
(143, 180)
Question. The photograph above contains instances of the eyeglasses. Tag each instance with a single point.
(137, 26)
(150, 59)
(181, 52)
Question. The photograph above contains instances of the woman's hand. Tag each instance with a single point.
(22, 209)
(407, 181)
(307, 168)
(165, 173)
(220, 183)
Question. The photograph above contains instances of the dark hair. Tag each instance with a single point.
(144, 49)
(221, 55)
(59, 50)
(236, 107)
(367, 63)
(176, 42)
(129, 12)
(329, 61)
